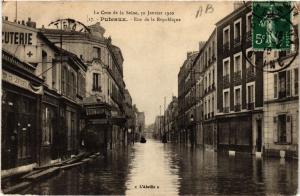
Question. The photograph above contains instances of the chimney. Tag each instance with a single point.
(19, 22)
(6, 18)
(188, 54)
(23, 22)
(30, 23)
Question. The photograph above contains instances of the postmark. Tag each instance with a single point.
(284, 42)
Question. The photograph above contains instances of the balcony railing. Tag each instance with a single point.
(237, 107)
(225, 109)
(237, 41)
(250, 106)
(226, 81)
(237, 77)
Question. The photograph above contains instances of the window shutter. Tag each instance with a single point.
(289, 128)
(275, 129)
(288, 83)
(275, 86)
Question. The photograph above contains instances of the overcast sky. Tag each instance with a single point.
(153, 51)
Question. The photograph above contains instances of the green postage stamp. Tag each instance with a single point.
(271, 25)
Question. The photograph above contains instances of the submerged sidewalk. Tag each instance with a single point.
(39, 173)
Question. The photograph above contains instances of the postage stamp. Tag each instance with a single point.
(271, 25)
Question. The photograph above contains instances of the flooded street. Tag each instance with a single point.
(166, 169)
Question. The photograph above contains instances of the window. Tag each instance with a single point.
(73, 85)
(63, 80)
(226, 38)
(226, 104)
(296, 78)
(249, 22)
(226, 68)
(251, 57)
(237, 95)
(54, 75)
(275, 86)
(96, 53)
(284, 84)
(283, 128)
(44, 65)
(237, 31)
(250, 94)
(96, 82)
(237, 63)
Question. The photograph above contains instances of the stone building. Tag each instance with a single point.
(104, 112)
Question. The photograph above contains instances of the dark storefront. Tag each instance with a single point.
(235, 133)
(20, 109)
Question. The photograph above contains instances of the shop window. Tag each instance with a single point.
(47, 121)
(282, 129)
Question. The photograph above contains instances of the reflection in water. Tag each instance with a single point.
(153, 166)
(174, 170)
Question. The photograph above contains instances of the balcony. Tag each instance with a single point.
(226, 82)
(237, 77)
(250, 73)
(250, 106)
(226, 109)
(237, 107)
(237, 41)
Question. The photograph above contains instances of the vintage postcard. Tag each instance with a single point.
(150, 97)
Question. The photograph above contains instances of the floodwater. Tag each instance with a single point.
(171, 169)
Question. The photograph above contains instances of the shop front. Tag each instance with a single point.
(20, 108)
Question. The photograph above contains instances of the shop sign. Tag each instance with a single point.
(15, 80)
(20, 82)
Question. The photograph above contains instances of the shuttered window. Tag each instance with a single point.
(275, 86)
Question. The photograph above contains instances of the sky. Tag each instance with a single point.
(153, 51)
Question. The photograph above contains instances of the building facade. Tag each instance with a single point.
(104, 112)
(240, 86)
(281, 101)
(58, 93)
(208, 64)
